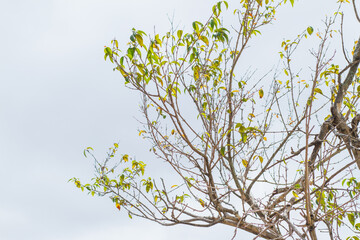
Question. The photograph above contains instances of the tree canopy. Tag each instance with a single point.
(277, 156)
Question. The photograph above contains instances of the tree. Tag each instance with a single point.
(227, 134)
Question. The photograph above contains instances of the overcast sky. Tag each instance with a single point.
(58, 96)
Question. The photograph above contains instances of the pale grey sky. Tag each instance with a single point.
(58, 96)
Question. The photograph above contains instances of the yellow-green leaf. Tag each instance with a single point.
(196, 72)
(139, 39)
(310, 30)
(261, 93)
(179, 33)
(318, 90)
(205, 40)
(351, 218)
(286, 72)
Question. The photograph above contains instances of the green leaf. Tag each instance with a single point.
(292, 2)
(343, 181)
(130, 53)
(219, 6)
(222, 151)
(213, 23)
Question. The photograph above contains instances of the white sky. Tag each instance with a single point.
(58, 96)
